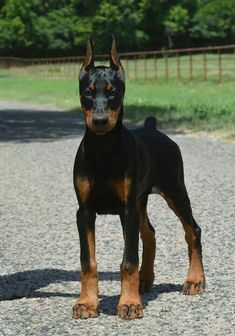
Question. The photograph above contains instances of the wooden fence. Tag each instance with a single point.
(194, 64)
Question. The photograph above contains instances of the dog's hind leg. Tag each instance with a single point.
(179, 202)
(147, 234)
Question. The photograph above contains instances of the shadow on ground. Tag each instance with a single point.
(41, 126)
(27, 284)
(36, 125)
(167, 117)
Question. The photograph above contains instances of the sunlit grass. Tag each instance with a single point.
(207, 107)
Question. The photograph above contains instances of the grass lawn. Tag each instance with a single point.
(197, 107)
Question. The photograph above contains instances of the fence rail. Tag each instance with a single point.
(191, 64)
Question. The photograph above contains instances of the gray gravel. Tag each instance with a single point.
(39, 246)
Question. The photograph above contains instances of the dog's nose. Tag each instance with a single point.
(100, 121)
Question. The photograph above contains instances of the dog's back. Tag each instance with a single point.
(166, 164)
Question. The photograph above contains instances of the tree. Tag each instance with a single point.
(123, 19)
(215, 21)
(177, 20)
(16, 25)
(55, 32)
(53, 28)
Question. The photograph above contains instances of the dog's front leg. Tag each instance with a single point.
(130, 306)
(87, 304)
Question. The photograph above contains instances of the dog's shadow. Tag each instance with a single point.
(27, 284)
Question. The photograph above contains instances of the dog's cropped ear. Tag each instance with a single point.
(114, 59)
(89, 59)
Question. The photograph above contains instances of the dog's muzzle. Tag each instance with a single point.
(99, 121)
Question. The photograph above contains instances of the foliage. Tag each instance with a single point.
(177, 19)
(121, 18)
(54, 28)
(15, 25)
(55, 31)
(215, 20)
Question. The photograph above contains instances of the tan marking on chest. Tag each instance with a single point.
(122, 188)
(84, 188)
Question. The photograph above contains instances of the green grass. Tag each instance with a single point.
(198, 107)
(51, 92)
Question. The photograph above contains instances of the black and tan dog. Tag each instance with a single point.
(114, 172)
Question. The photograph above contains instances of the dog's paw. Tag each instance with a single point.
(82, 311)
(130, 312)
(192, 288)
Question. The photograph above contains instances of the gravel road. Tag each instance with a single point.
(39, 246)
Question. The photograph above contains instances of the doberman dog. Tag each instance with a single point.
(114, 172)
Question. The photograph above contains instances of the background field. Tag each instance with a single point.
(197, 107)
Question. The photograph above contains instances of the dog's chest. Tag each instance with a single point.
(105, 171)
(102, 166)
(105, 197)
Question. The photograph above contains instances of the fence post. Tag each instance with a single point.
(69, 68)
(155, 66)
(64, 69)
(145, 68)
(44, 68)
(191, 67)
(61, 68)
(234, 58)
(127, 70)
(47, 68)
(135, 66)
(7, 63)
(219, 66)
(166, 68)
(178, 68)
(74, 67)
(204, 67)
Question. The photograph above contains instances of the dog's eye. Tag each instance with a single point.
(112, 93)
(87, 92)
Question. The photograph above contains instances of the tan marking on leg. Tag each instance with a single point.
(89, 281)
(91, 244)
(122, 188)
(196, 272)
(195, 282)
(84, 188)
(130, 306)
(87, 303)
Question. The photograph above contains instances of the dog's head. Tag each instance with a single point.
(102, 91)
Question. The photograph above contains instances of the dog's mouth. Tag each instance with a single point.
(100, 126)
(101, 130)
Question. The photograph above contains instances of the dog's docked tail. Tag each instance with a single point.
(150, 123)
